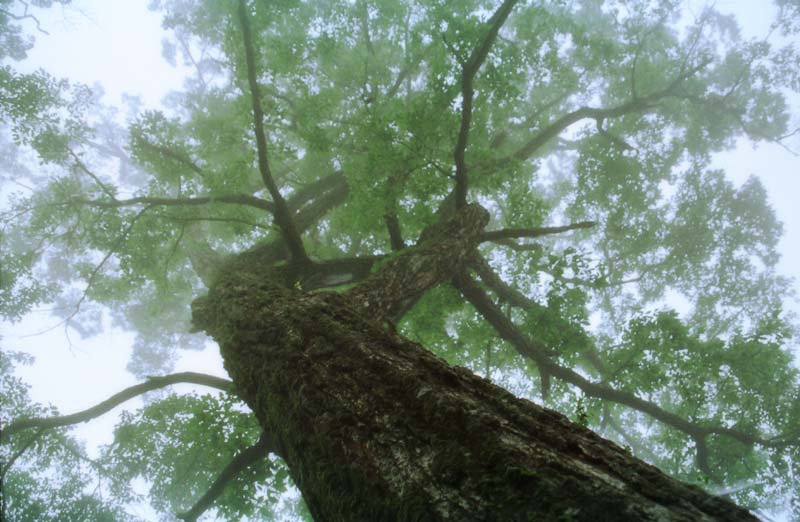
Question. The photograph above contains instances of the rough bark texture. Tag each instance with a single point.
(375, 427)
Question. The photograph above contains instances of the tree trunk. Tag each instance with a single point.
(375, 427)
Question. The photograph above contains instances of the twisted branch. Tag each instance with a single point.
(152, 383)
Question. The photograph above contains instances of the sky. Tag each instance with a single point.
(118, 44)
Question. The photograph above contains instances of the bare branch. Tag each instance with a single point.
(242, 460)
(283, 217)
(517, 247)
(468, 73)
(152, 383)
(25, 16)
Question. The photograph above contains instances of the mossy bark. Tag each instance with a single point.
(374, 427)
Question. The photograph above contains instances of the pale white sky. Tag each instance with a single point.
(118, 43)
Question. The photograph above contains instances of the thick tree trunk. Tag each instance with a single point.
(375, 427)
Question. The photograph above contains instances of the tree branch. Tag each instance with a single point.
(436, 257)
(25, 447)
(508, 233)
(90, 280)
(309, 215)
(283, 217)
(639, 104)
(215, 219)
(242, 460)
(237, 199)
(152, 383)
(539, 354)
(180, 157)
(328, 273)
(89, 173)
(519, 247)
(395, 233)
(516, 298)
(504, 291)
(25, 16)
(314, 190)
(468, 73)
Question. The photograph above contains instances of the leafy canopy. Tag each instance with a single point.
(583, 110)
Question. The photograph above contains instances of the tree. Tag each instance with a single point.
(347, 195)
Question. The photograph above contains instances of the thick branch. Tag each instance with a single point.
(309, 215)
(315, 189)
(215, 220)
(312, 211)
(395, 233)
(468, 73)
(152, 383)
(327, 274)
(505, 292)
(441, 251)
(242, 460)
(508, 233)
(283, 217)
(514, 297)
(517, 247)
(538, 353)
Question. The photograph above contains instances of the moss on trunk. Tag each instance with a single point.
(374, 427)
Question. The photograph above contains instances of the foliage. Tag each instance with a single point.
(46, 474)
(179, 444)
(584, 110)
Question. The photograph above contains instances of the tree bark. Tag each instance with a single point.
(374, 427)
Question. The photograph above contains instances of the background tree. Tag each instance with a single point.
(326, 140)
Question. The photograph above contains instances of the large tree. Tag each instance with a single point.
(367, 205)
